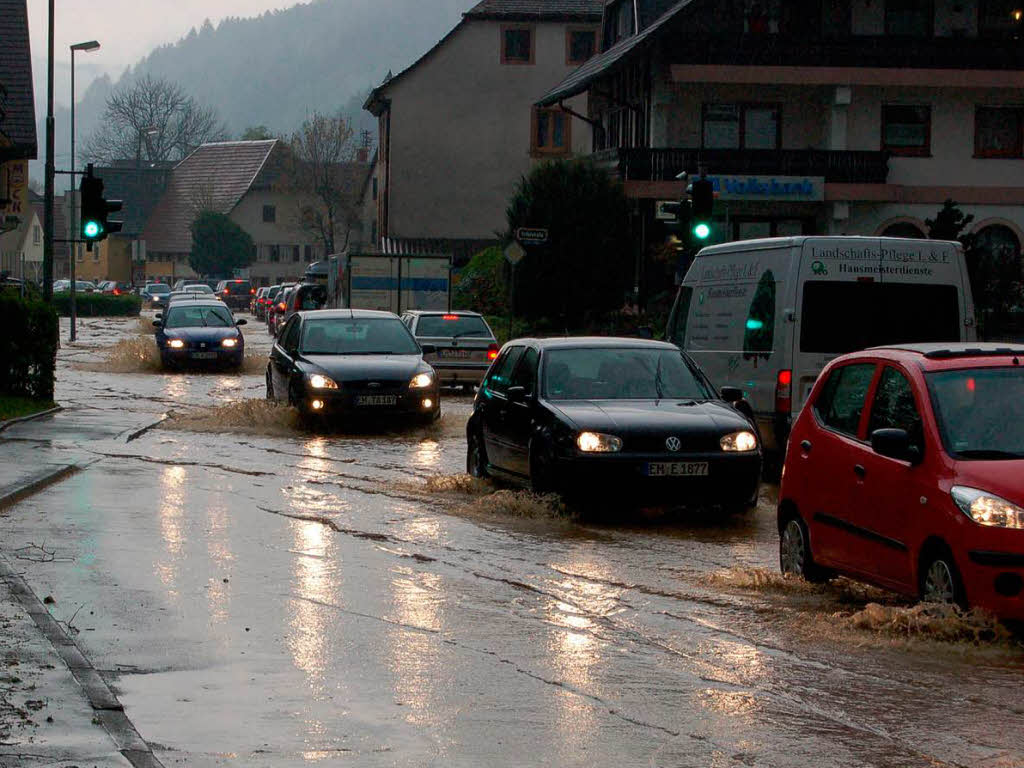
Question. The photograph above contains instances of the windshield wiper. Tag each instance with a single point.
(658, 382)
(988, 453)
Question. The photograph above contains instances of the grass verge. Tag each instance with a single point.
(12, 407)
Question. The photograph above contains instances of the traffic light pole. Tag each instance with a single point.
(49, 176)
(74, 194)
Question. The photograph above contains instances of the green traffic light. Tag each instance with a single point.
(91, 229)
(702, 231)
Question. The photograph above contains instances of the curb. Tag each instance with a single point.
(11, 422)
(109, 710)
(15, 493)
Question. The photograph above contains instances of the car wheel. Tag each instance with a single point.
(476, 456)
(940, 579)
(270, 385)
(795, 556)
(542, 469)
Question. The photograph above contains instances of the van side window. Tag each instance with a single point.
(759, 334)
(841, 401)
(894, 406)
(501, 372)
(680, 314)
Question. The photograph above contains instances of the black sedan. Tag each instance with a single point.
(354, 363)
(199, 331)
(603, 415)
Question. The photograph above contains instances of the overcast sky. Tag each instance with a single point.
(127, 31)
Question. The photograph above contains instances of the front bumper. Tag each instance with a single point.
(351, 404)
(994, 580)
(732, 480)
(187, 356)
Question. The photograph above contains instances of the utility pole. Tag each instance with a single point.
(48, 190)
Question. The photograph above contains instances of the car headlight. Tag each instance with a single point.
(175, 343)
(318, 381)
(739, 442)
(595, 442)
(987, 509)
(229, 343)
(421, 380)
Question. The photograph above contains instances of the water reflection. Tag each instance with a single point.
(414, 654)
(316, 459)
(218, 548)
(427, 454)
(172, 501)
(312, 624)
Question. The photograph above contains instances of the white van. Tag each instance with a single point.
(768, 315)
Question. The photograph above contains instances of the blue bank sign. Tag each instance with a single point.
(808, 189)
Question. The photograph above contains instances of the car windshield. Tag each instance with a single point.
(195, 316)
(621, 373)
(197, 289)
(237, 287)
(158, 288)
(453, 326)
(980, 412)
(357, 336)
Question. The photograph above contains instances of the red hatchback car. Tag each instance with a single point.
(905, 469)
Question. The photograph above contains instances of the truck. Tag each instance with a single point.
(389, 282)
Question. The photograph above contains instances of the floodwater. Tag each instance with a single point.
(260, 593)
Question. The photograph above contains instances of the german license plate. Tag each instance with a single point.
(377, 400)
(455, 354)
(677, 469)
(203, 355)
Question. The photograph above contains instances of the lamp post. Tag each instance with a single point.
(86, 47)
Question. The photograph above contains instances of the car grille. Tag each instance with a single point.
(656, 444)
(374, 386)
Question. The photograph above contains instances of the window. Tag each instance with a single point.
(680, 316)
(907, 129)
(741, 126)
(275, 253)
(37, 235)
(998, 132)
(517, 45)
(909, 18)
(374, 187)
(551, 132)
(526, 374)
(290, 336)
(1000, 18)
(761, 17)
(501, 373)
(841, 401)
(269, 214)
(580, 45)
(894, 406)
(307, 253)
(759, 333)
(295, 253)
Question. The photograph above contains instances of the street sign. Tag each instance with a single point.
(661, 214)
(514, 253)
(532, 235)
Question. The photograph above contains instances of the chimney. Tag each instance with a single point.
(363, 155)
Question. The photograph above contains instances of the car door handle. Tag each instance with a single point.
(806, 446)
(859, 471)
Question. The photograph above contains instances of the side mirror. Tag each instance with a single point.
(243, 321)
(895, 444)
(428, 349)
(158, 324)
(731, 394)
(516, 394)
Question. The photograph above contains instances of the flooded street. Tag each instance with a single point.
(258, 594)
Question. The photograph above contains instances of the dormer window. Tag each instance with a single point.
(909, 18)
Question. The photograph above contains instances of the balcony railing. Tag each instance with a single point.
(851, 167)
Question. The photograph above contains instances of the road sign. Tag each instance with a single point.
(514, 253)
(661, 214)
(532, 235)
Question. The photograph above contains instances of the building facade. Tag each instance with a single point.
(815, 116)
(458, 128)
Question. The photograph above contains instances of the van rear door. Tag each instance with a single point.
(866, 292)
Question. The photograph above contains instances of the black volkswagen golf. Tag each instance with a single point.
(602, 415)
(354, 363)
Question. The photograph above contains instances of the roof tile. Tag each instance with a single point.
(17, 103)
(588, 10)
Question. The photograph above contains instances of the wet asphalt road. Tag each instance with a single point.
(262, 596)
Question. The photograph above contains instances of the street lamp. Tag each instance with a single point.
(86, 47)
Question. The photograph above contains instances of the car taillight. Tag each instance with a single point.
(117, 292)
(784, 391)
(282, 306)
(449, 317)
(492, 352)
(227, 291)
(252, 291)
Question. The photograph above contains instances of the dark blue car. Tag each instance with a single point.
(199, 332)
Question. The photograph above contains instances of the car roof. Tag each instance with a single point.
(346, 314)
(594, 342)
(946, 355)
(204, 302)
(459, 312)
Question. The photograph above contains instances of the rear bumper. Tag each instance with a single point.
(459, 373)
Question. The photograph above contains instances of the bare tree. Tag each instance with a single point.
(152, 119)
(325, 174)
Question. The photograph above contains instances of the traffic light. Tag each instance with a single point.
(95, 210)
(702, 197)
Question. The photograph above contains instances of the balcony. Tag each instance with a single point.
(847, 167)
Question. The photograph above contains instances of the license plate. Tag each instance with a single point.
(677, 469)
(457, 354)
(377, 400)
(203, 355)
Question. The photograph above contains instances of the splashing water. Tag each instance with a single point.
(521, 504)
(463, 484)
(139, 355)
(929, 621)
(254, 417)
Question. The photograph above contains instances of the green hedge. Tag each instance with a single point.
(28, 347)
(97, 304)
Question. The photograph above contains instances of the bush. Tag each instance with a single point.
(97, 305)
(28, 347)
(481, 285)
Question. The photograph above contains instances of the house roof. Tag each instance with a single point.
(215, 175)
(17, 102)
(554, 10)
(580, 80)
(503, 10)
(140, 189)
(459, 250)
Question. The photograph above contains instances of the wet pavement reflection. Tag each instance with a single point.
(263, 594)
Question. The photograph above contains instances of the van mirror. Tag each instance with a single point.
(895, 444)
(731, 394)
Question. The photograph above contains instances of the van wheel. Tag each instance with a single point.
(940, 579)
(795, 557)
